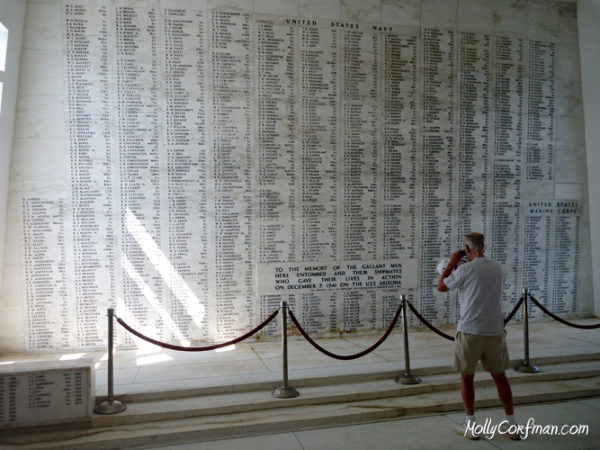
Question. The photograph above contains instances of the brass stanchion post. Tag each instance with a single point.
(525, 366)
(284, 391)
(406, 378)
(110, 406)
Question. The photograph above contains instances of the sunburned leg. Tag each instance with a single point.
(504, 392)
(467, 390)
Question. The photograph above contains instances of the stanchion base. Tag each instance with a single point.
(285, 392)
(527, 368)
(408, 379)
(110, 408)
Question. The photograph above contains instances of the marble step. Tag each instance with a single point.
(323, 377)
(145, 411)
(256, 412)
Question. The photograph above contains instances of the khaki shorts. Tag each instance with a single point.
(470, 348)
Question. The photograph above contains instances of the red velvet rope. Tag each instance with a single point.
(425, 322)
(514, 311)
(563, 321)
(197, 349)
(346, 357)
(447, 336)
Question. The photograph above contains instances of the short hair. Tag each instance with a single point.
(475, 241)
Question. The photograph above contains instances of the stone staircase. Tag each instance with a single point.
(217, 412)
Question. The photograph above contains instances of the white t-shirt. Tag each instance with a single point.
(479, 285)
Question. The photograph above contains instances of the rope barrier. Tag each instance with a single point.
(514, 311)
(563, 321)
(447, 336)
(197, 349)
(346, 357)
(426, 323)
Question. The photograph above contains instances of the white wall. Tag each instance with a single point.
(589, 36)
(12, 16)
(40, 164)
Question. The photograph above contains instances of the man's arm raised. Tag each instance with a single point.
(454, 260)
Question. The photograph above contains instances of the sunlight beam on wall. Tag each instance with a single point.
(170, 275)
(149, 294)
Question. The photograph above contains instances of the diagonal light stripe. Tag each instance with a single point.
(169, 274)
(149, 294)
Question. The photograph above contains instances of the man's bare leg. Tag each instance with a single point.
(467, 390)
(504, 392)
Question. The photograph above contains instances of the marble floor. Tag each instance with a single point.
(151, 369)
(434, 431)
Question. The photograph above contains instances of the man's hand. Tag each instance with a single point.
(454, 260)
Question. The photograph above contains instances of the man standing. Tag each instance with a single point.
(480, 331)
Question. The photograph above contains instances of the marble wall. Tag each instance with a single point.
(195, 163)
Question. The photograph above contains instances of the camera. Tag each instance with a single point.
(463, 254)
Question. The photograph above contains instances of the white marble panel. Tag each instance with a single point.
(569, 133)
(537, 190)
(543, 20)
(44, 28)
(40, 116)
(568, 68)
(401, 12)
(568, 101)
(52, 392)
(41, 72)
(319, 9)
(361, 10)
(240, 5)
(569, 191)
(585, 276)
(279, 7)
(11, 333)
(185, 4)
(439, 13)
(567, 23)
(568, 82)
(476, 15)
(41, 123)
(43, 2)
(510, 17)
(31, 161)
(570, 167)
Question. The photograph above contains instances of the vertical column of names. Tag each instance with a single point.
(136, 72)
(48, 317)
(359, 79)
(399, 155)
(537, 244)
(184, 42)
(319, 142)
(504, 239)
(318, 209)
(436, 170)
(474, 93)
(539, 161)
(232, 167)
(90, 148)
(399, 147)
(566, 252)
(276, 124)
(359, 103)
(8, 399)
